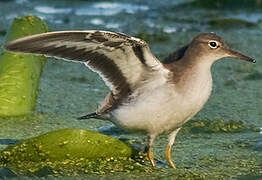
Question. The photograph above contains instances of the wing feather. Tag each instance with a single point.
(118, 58)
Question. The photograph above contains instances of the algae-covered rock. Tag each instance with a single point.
(20, 73)
(70, 151)
(67, 144)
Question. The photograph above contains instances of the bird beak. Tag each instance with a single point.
(234, 54)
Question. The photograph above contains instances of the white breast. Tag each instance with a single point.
(163, 107)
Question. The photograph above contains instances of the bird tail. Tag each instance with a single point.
(88, 116)
(95, 116)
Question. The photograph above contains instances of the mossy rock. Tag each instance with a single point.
(227, 23)
(20, 73)
(70, 151)
(66, 144)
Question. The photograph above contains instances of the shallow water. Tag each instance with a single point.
(69, 90)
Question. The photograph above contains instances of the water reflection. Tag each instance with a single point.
(148, 17)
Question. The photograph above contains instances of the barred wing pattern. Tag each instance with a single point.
(118, 58)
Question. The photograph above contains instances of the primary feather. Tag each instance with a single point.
(118, 58)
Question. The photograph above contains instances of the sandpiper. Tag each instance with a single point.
(147, 95)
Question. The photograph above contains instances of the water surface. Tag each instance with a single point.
(69, 90)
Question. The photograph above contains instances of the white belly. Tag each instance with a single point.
(160, 110)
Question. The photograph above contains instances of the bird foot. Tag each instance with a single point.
(150, 156)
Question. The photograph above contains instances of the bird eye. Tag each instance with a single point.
(213, 44)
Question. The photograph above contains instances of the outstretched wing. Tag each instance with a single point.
(119, 59)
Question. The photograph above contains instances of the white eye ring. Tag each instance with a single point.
(213, 44)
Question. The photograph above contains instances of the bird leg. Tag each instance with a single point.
(150, 154)
(168, 157)
(171, 139)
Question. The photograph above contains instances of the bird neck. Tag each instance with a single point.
(190, 73)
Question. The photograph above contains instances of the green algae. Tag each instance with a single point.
(254, 76)
(232, 4)
(20, 73)
(230, 82)
(2, 32)
(228, 23)
(67, 143)
(218, 126)
(250, 71)
(78, 167)
(245, 68)
(80, 80)
(69, 151)
(153, 37)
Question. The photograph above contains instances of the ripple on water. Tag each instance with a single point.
(112, 25)
(169, 29)
(52, 10)
(110, 8)
(96, 21)
(250, 17)
(21, 1)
